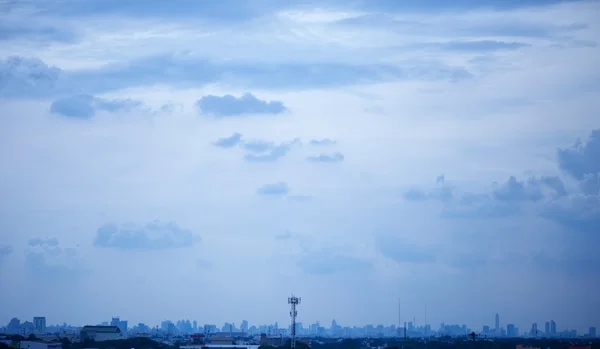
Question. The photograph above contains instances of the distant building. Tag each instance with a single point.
(497, 328)
(39, 324)
(592, 332)
(277, 341)
(100, 333)
(511, 331)
(552, 327)
(221, 340)
(39, 345)
(547, 328)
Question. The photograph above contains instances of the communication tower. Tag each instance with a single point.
(293, 301)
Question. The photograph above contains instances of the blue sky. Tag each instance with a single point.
(349, 152)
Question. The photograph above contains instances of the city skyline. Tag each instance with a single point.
(205, 159)
(550, 325)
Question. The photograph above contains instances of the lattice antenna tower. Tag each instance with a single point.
(293, 301)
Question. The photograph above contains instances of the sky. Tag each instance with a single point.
(205, 160)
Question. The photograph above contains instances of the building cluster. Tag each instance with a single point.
(549, 331)
(169, 331)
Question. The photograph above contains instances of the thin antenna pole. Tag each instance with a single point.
(399, 315)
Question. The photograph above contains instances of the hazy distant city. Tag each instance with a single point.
(168, 328)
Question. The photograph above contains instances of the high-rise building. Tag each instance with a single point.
(592, 332)
(510, 331)
(547, 328)
(534, 330)
(39, 324)
(497, 324)
(552, 327)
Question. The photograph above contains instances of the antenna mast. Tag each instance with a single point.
(293, 301)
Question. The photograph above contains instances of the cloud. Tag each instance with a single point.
(31, 77)
(403, 252)
(85, 106)
(258, 151)
(578, 213)
(480, 205)
(467, 46)
(263, 151)
(582, 158)
(229, 142)
(20, 76)
(203, 264)
(325, 261)
(258, 146)
(46, 258)
(154, 235)
(323, 142)
(33, 31)
(5, 250)
(442, 192)
(275, 189)
(335, 157)
(228, 105)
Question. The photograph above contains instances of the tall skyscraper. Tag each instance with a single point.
(497, 324)
(39, 324)
(552, 327)
(547, 328)
(592, 332)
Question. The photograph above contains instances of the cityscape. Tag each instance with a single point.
(167, 329)
(299, 174)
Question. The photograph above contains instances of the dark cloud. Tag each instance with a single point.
(32, 31)
(229, 142)
(473, 206)
(155, 235)
(590, 184)
(258, 146)
(262, 151)
(323, 142)
(85, 106)
(329, 158)
(586, 265)
(258, 151)
(275, 189)
(36, 241)
(228, 106)
(467, 46)
(577, 212)
(582, 158)
(47, 259)
(533, 190)
(504, 200)
(30, 77)
(20, 76)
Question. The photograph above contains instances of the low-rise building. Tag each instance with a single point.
(39, 345)
(100, 333)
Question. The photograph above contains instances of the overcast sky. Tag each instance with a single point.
(203, 160)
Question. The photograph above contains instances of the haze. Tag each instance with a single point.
(204, 160)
